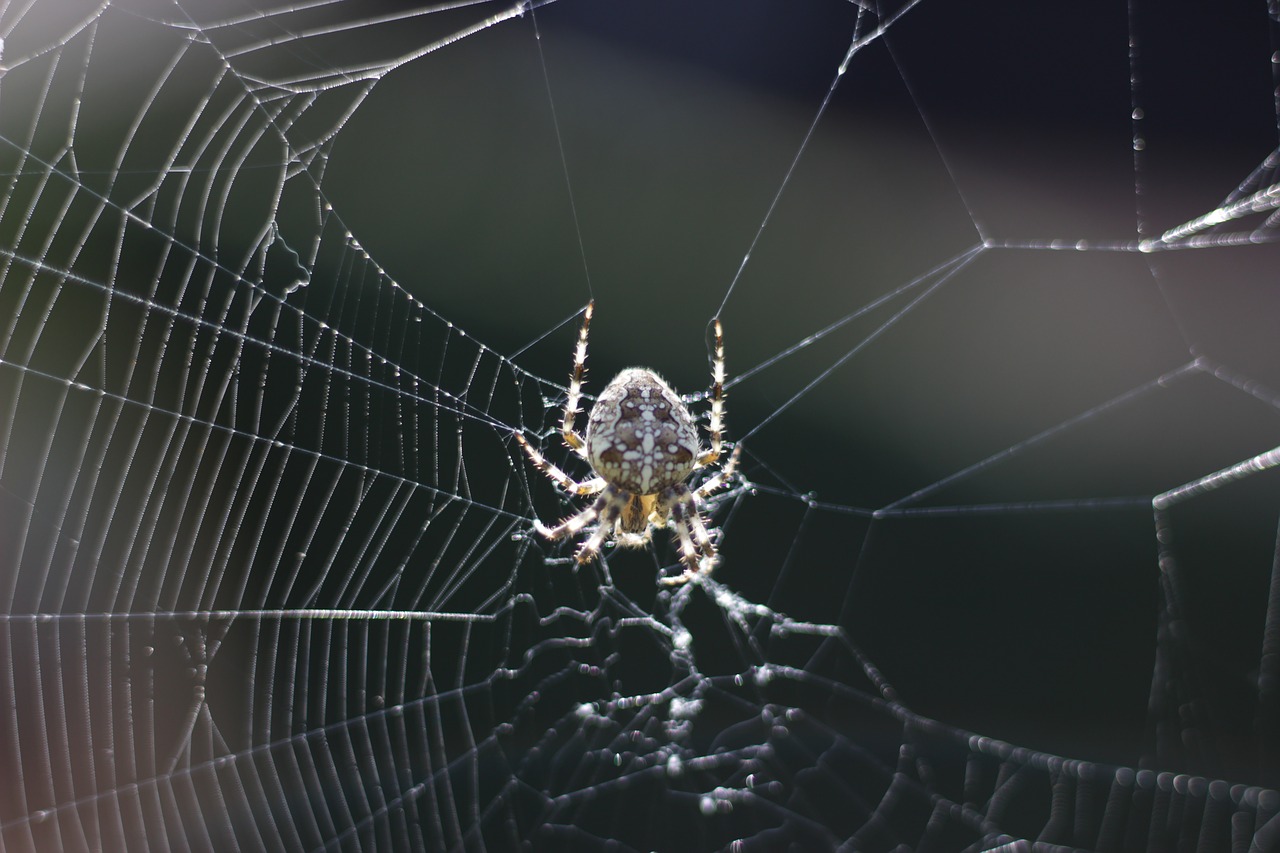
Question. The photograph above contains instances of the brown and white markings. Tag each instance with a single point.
(642, 444)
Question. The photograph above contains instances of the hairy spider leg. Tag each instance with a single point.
(606, 509)
(720, 478)
(563, 480)
(573, 523)
(608, 506)
(689, 526)
(571, 437)
(716, 426)
(570, 525)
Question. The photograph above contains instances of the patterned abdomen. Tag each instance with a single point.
(640, 437)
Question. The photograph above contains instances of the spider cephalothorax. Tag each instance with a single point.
(642, 443)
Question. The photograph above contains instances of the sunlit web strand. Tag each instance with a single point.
(300, 614)
(260, 292)
(255, 751)
(321, 81)
(1237, 380)
(877, 332)
(1077, 505)
(858, 43)
(544, 335)
(465, 410)
(287, 35)
(1162, 381)
(1142, 502)
(1213, 241)
(926, 121)
(1196, 241)
(1211, 482)
(952, 265)
(275, 443)
(564, 163)
(91, 17)
(786, 177)
(1199, 365)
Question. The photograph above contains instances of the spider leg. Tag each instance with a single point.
(571, 437)
(606, 509)
(608, 506)
(572, 524)
(716, 426)
(561, 479)
(699, 557)
(721, 478)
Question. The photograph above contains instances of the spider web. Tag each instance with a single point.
(279, 283)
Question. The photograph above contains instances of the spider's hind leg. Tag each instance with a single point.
(607, 507)
(697, 551)
(726, 473)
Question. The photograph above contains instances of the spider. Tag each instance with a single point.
(642, 444)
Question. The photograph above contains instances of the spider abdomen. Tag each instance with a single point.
(640, 436)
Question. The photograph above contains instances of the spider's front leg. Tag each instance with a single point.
(716, 424)
(571, 437)
(560, 478)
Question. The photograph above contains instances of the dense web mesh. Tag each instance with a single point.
(279, 284)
